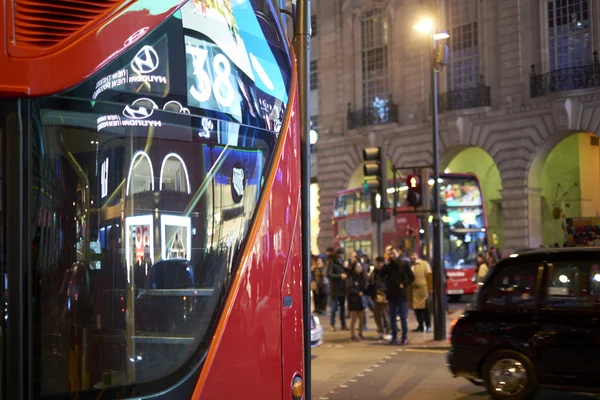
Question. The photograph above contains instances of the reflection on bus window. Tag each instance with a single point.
(142, 200)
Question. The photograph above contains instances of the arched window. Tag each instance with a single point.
(173, 175)
(141, 175)
(375, 41)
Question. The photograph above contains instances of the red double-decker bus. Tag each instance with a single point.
(151, 231)
(463, 214)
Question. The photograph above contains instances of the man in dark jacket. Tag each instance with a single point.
(337, 288)
(398, 276)
(377, 290)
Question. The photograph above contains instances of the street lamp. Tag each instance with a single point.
(439, 333)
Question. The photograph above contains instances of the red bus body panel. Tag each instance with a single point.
(258, 347)
(75, 60)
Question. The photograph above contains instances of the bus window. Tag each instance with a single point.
(365, 202)
(339, 205)
(349, 204)
(145, 183)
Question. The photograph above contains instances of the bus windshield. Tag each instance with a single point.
(145, 181)
(463, 218)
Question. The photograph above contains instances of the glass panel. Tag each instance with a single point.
(349, 204)
(512, 288)
(143, 197)
(574, 285)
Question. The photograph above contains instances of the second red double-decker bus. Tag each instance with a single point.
(463, 215)
(151, 233)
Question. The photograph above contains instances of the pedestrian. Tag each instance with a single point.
(377, 289)
(399, 276)
(356, 286)
(482, 270)
(322, 285)
(420, 292)
(337, 286)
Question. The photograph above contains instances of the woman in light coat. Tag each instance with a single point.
(420, 292)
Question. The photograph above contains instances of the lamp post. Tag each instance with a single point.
(439, 327)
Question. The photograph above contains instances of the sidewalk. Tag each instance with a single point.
(416, 340)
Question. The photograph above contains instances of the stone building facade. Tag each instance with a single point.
(521, 76)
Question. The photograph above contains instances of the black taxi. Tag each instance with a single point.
(535, 323)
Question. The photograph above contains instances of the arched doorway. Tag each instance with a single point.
(477, 161)
(569, 181)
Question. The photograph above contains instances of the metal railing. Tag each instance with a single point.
(460, 99)
(384, 114)
(563, 79)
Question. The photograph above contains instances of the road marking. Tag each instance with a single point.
(344, 386)
(432, 351)
(323, 398)
(368, 370)
(361, 375)
(353, 380)
(394, 354)
(388, 358)
(382, 362)
(375, 366)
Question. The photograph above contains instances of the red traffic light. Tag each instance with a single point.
(414, 197)
(413, 182)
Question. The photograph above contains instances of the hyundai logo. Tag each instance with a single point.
(140, 109)
(145, 61)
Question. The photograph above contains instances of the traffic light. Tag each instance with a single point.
(375, 168)
(414, 197)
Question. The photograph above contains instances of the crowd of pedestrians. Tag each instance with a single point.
(388, 286)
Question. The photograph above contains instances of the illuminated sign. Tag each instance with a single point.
(137, 114)
(144, 67)
(139, 239)
(175, 237)
(104, 179)
(145, 61)
(238, 183)
(207, 127)
(212, 82)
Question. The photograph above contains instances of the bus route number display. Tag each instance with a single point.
(211, 79)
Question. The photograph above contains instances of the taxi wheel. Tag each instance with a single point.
(509, 374)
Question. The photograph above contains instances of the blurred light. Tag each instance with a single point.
(421, 230)
(441, 36)
(314, 136)
(482, 229)
(597, 277)
(563, 279)
(447, 171)
(425, 26)
(514, 256)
